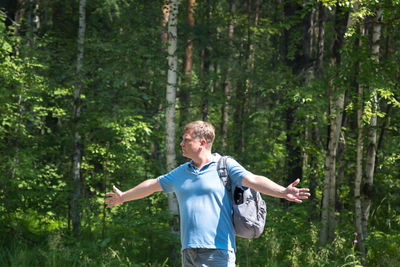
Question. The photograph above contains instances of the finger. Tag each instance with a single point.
(116, 190)
(110, 203)
(294, 199)
(110, 194)
(297, 200)
(296, 182)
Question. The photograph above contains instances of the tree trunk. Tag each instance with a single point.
(19, 14)
(187, 66)
(77, 154)
(33, 20)
(308, 42)
(336, 102)
(170, 125)
(243, 94)
(188, 60)
(238, 121)
(299, 64)
(294, 161)
(205, 69)
(321, 38)
(207, 85)
(371, 149)
(328, 200)
(321, 15)
(308, 45)
(171, 98)
(165, 11)
(359, 165)
(358, 179)
(341, 160)
(228, 83)
(36, 19)
(360, 140)
(383, 129)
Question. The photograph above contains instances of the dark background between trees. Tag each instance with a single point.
(296, 89)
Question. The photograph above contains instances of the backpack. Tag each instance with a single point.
(249, 209)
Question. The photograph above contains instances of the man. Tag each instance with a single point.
(207, 232)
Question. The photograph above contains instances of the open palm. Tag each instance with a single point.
(292, 193)
(115, 198)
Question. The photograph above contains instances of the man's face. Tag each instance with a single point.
(190, 145)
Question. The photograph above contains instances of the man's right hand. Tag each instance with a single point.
(115, 198)
(142, 190)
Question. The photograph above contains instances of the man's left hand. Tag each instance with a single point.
(292, 193)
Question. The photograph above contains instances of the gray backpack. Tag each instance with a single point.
(249, 209)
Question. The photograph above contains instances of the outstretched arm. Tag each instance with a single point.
(268, 187)
(142, 190)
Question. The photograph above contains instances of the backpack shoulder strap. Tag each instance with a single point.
(223, 172)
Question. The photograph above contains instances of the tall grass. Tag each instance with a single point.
(271, 250)
(55, 252)
(288, 240)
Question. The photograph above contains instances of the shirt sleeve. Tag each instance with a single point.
(236, 172)
(167, 181)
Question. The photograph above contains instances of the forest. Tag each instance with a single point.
(95, 93)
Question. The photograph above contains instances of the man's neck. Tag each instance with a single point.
(202, 159)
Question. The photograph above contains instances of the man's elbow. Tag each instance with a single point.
(249, 180)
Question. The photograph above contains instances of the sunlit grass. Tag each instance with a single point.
(288, 240)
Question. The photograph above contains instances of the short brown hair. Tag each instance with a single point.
(201, 129)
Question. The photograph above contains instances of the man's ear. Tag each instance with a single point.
(203, 142)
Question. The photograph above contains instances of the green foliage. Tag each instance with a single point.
(291, 240)
(59, 250)
(279, 116)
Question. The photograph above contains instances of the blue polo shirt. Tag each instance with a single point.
(204, 205)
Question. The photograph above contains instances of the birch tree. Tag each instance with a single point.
(359, 160)
(363, 197)
(336, 106)
(76, 157)
(360, 127)
(170, 125)
(328, 201)
(371, 148)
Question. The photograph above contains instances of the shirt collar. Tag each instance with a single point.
(214, 159)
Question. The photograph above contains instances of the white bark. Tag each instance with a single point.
(171, 97)
(360, 151)
(371, 152)
(328, 200)
(76, 161)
